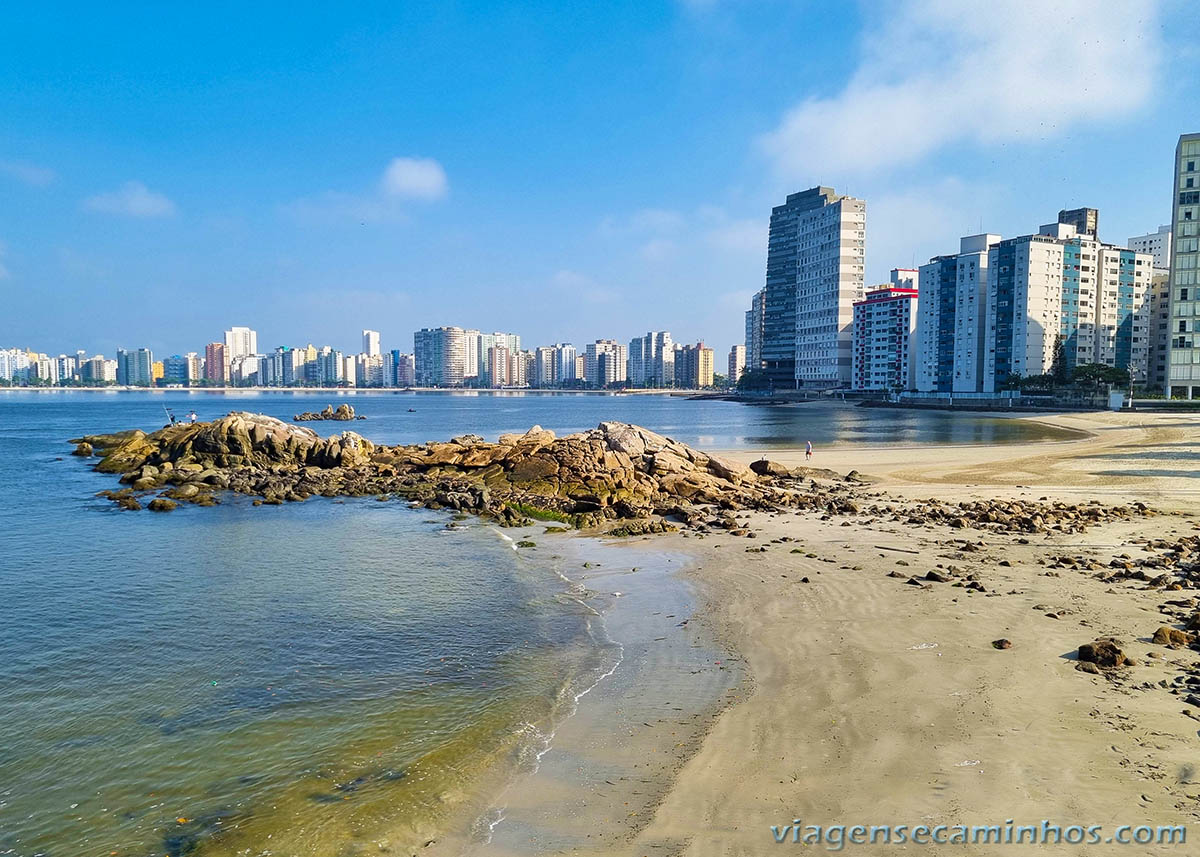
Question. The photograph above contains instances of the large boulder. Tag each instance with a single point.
(766, 467)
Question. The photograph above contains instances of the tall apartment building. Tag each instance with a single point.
(215, 369)
(545, 366)
(370, 343)
(1157, 244)
(737, 363)
(754, 329)
(440, 356)
(240, 342)
(1063, 295)
(1085, 220)
(369, 369)
(1160, 330)
(135, 368)
(1183, 364)
(482, 345)
(951, 313)
(607, 371)
(814, 276)
(694, 366)
(884, 336)
(651, 360)
(566, 363)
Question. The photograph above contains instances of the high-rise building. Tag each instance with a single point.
(240, 342)
(135, 368)
(693, 366)
(651, 360)
(369, 370)
(566, 363)
(216, 365)
(483, 344)
(951, 313)
(176, 370)
(406, 369)
(499, 366)
(1060, 298)
(612, 370)
(545, 366)
(1085, 220)
(370, 343)
(814, 276)
(1157, 244)
(884, 326)
(737, 363)
(440, 356)
(474, 361)
(754, 330)
(1183, 364)
(1160, 329)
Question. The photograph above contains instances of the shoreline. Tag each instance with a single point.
(887, 703)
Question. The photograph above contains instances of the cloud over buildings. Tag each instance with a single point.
(933, 73)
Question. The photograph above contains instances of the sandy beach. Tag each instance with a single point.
(870, 701)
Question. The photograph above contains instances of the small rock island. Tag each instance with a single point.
(343, 413)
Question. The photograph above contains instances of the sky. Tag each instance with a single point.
(567, 172)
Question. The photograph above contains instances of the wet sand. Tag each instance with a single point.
(869, 701)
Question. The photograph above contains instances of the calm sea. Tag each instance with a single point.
(290, 679)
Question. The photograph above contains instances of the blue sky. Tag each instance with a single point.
(564, 171)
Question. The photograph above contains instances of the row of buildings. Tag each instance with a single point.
(442, 357)
(974, 320)
(461, 357)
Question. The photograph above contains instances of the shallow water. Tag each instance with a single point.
(309, 678)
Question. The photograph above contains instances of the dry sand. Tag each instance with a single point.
(869, 701)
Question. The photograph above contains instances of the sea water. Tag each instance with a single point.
(312, 678)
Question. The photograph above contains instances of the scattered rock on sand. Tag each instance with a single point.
(1002, 644)
(1104, 653)
(1173, 638)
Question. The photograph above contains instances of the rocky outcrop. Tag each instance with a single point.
(343, 413)
(615, 471)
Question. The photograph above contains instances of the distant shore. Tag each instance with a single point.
(356, 391)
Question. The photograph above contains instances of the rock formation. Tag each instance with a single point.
(615, 471)
(343, 413)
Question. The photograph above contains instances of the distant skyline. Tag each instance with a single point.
(562, 173)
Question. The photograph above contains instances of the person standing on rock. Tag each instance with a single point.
(808, 450)
(192, 417)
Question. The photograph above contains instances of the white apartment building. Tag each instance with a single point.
(370, 343)
(951, 314)
(240, 342)
(1063, 290)
(1183, 365)
(1157, 244)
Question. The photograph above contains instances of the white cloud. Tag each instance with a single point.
(415, 178)
(333, 206)
(659, 250)
(933, 73)
(132, 199)
(30, 174)
(581, 287)
(403, 178)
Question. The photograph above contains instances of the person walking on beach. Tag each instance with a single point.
(808, 450)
